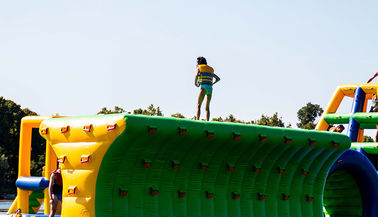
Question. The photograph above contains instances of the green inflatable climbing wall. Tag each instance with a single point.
(166, 167)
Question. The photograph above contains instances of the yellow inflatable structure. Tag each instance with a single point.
(27, 124)
(79, 148)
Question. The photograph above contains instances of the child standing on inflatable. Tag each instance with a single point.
(204, 78)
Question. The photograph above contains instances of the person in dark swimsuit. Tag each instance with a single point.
(55, 190)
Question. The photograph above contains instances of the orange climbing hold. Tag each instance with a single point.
(72, 190)
(65, 129)
(44, 131)
(87, 128)
(84, 159)
(111, 127)
(62, 158)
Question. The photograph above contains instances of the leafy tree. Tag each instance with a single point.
(178, 115)
(307, 115)
(219, 119)
(10, 120)
(232, 119)
(273, 121)
(116, 110)
(5, 181)
(368, 139)
(151, 111)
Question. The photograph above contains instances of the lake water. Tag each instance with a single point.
(5, 205)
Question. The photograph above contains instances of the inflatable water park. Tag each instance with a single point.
(143, 166)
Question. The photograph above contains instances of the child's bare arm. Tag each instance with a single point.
(50, 185)
(216, 78)
(195, 81)
(196, 78)
(375, 75)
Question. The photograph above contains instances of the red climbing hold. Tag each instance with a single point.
(181, 194)
(261, 196)
(147, 163)
(230, 166)
(175, 164)
(288, 140)
(181, 130)
(210, 133)
(235, 195)
(335, 143)
(204, 166)
(236, 135)
(152, 129)
(311, 142)
(123, 192)
(309, 198)
(262, 138)
(209, 194)
(281, 170)
(154, 191)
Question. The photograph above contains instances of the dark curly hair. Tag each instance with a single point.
(201, 60)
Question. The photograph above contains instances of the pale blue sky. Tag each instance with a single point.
(75, 57)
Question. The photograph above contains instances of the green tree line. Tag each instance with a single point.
(10, 120)
(11, 114)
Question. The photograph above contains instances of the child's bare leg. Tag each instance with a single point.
(201, 96)
(208, 99)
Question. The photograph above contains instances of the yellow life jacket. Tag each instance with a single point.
(205, 74)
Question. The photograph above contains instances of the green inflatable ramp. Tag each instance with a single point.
(166, 167)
